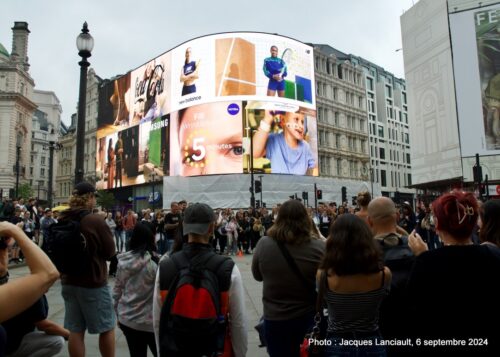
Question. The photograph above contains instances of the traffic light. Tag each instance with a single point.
(305, 195)
(344, 194)
(319, 194)
(257, 204)
(477, 172)
(258, 186)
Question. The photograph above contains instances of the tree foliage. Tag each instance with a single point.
(25, 191)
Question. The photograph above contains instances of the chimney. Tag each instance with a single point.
(19, 53)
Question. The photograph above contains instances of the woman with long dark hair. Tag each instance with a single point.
(133, 291)
(357, 282)
(288, 299)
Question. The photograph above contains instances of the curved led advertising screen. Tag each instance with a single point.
(213, 105)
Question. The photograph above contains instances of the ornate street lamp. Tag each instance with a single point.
(85, 44)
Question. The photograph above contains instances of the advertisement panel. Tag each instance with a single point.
(193, 110)
(476, 59)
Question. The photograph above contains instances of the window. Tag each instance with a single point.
(406, 138)
(382, 153)
(408, 159)
(42, 161)
(42, 172)
(337, 115)
(337, 141)
(388, 91)
(339, 167)
(335, 93)
(383, 178)
(31, 171)
(381, 131)
(409, 179)
(361, 125)
(371, 106)
(369, 83)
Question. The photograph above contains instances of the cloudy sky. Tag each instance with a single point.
(129, 33)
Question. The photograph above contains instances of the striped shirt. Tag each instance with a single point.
(358, 312)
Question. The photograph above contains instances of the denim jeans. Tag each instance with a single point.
(284, 337)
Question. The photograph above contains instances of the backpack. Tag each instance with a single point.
(399, 259)
(66, 245)
(192, 319)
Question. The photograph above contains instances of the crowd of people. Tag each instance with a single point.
(394, 281)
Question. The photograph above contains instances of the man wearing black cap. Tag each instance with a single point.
(87, 297)
(199, 223)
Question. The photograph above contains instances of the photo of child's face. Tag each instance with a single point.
(293, 124)
(210, 141)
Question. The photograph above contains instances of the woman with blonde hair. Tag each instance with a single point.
(286, 262)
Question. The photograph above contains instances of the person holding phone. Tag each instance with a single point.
(18, 295)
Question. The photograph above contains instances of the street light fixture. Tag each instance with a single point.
(51, 147)
(84, 44)
(252, 179)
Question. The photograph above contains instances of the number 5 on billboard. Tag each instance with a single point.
(197, 146)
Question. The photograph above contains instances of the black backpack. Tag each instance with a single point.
(191, 320)
(66, 245)
(399, 259)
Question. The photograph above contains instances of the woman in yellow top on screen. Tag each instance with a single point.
(189, 74)
(287, 150)
(210, 139)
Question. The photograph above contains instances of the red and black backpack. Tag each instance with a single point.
(193, 318)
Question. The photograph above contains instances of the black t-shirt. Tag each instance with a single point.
(171, 218)
(24, 323)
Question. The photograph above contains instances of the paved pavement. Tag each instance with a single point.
(253, 302)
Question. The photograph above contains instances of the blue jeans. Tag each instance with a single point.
(285, 336)
(354, 344)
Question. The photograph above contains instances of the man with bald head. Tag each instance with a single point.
(382, 218)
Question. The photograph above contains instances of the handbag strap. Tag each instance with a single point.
(294, 266)
(323, 283)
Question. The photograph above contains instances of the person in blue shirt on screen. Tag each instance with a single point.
(276, 70)
(287, 150)
(189, 74)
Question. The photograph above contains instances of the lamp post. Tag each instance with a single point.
(85, 44)
(18, 156)
(261, 189)
(52, 146)
(252, 179)
(371, 179)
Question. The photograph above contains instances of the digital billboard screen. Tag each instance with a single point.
(193, 110)
(476, 57)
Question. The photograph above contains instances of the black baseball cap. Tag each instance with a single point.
(197, 218)
(84, 187)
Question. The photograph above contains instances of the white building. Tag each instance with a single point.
(17, 107)
(44, 134)
(450, 82)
